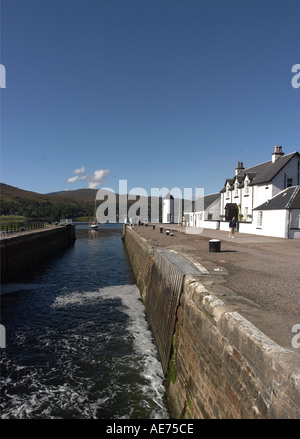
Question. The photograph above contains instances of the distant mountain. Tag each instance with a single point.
(9, 192)
(56, 205)
(65, 204)
(76, 195)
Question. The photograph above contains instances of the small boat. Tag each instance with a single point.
(94, 224)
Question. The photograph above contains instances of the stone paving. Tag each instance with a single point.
(255, 275)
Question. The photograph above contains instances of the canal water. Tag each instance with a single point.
(78, 344)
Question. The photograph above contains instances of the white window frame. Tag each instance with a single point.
(227, 192)
(246, 186)
(259, 219)
(236, 189)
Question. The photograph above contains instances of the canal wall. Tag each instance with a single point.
(216, 363)
(25, 251)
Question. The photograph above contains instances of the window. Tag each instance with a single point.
(260, 219)
(236, 189)
(227, 191)
(289, 182)
(209, 216)
(246, 185)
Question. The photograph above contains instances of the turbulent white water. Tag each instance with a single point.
(75, 390)
(144, 347)
(79, 353)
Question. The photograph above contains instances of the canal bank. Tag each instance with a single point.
(23, 251)
(219, 362)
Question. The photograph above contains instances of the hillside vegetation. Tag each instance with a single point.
(68, 204)
(53, 206)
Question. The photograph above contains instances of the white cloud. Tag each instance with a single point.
(79, 170)
(72, 179)
(98, 177)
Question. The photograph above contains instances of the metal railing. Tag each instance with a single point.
(20, 226)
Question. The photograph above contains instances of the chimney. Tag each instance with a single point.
(240, 167)
(277, 153)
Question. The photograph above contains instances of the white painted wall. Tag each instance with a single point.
(200, 218)
(168, 210)
(261, 194)
(211, 224)
(274, 223)
(290, 170)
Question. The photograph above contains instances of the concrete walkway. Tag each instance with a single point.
(254, 275)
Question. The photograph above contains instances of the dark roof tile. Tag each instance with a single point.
(287, 199)
(262, 173)
(268, 170)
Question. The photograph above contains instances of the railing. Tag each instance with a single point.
(21, 226)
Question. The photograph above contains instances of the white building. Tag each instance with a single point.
(253, 187)
(209, 215)
(279, 216)
(168, 209)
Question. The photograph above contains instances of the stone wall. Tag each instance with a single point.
(221, 366)
(163, 296)
(224, 367)
(141, 258)
(26, 251)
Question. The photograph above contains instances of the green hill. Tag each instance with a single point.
(73, 204)
(54, 206)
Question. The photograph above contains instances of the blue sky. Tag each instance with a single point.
(161, 93)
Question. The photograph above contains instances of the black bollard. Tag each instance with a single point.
(214, 245)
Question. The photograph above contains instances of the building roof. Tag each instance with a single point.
(268, 170)
(169, 197)
(262, 173)
(208, 200)
(287, 199)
